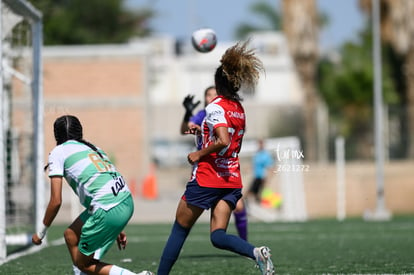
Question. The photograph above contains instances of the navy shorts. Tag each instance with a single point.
(207, 197)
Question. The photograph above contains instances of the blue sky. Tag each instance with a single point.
(179, 18)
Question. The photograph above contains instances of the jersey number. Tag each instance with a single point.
(100, 164)
(236, 140)
(105, 166)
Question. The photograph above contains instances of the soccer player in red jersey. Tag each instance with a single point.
(191, 121)
(216, 179)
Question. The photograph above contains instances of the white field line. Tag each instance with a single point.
(33, 249)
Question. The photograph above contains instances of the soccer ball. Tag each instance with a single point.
(204, 40)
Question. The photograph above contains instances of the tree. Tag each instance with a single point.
(270, 15)
(71, 22)
(346, 85)
(301, 25)
(397, 30)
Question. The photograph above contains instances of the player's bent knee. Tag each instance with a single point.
(85, 269)
(217, 238)
(86, 264)
(68, 234)
(70, 237)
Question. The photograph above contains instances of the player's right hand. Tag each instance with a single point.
(121, 240)
(36, 240)
(188, 103)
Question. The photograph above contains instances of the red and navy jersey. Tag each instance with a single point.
(221, 169)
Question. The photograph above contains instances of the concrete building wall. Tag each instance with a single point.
(361, 189)
(105, 89)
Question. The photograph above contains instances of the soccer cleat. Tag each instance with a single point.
(145, 273)
(263, 260)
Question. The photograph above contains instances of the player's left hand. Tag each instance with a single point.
(36, 240)
(122, 240)
(193, 129)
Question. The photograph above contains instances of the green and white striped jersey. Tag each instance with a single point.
(95, 180)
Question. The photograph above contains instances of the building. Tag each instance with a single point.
(129, 96)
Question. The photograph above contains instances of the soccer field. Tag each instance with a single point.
(314, 247)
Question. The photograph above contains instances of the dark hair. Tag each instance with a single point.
(239, 66)
(68, 127)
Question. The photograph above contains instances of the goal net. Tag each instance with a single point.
(21, 125)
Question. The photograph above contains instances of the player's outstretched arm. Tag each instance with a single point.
(52, 208)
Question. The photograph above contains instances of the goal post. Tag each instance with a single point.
(21, 121)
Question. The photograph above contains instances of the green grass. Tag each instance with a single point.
(314, 247)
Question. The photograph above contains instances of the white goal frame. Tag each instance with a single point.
(34, 18)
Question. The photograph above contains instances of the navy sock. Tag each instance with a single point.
(172, 248)
(241, 223)
(220, 239)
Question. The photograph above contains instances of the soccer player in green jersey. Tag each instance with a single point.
(101, 190)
